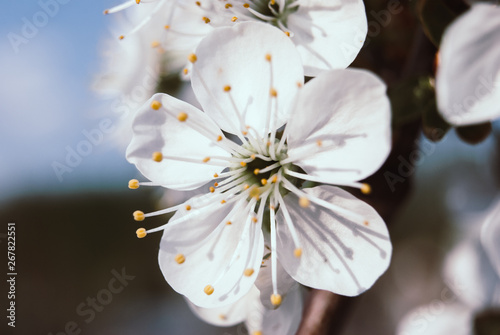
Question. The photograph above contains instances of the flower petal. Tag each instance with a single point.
(214, 252)
(468, 76)
(490, 236)
(348, 111)
(328, 35)
(161, 131)
(338, 255)
(284, 320)
(235, 57)
(229, 315)
(264, 283)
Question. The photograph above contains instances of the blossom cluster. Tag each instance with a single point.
(272, 156)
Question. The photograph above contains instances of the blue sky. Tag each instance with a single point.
(45, 100)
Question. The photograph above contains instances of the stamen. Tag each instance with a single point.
(276, 299)
(297, 252)
(138, 215)
(206, 19)
(234, 18)
(188, 207)
(304, 202)
(248, 272)
(141, 233)
(192, 58)
(156, 105)
(180, 258)
(286, 214)
(182, 117)
(366, 189)
(208, 290)
(133, 184)
(157, 156)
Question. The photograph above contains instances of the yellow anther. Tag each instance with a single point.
(234, 18)
(271, 207)
(206, 159)
(319, 143)
(276, 299)
(157, 156)
(212, 189)
(106, 12)
(219, 138)
(180, 258)
(275, 179)
(198, 3)
(246, 5)
(222, 317)
(268, 57)
(223, 201)
(141, 232)
(216, 184)
(166, 26)
(156, 104)
(248, 272)
(255, 192)
(273, 92)
(121, 37)
(155, 44)
(229, 223)
(287, 33)
(246, 186)
(227, 88)
(304, 202)
(299, 84)
(263, 181)
(252, 156)
(133, 184)
(244, 132)
(182, 116)
(208, 290)
(216, 175)
(273, 2)
(138, 216)
(297, 252)
(255, 220)
(188, 207)
(243, 164)
(228, 5)
(366, 189)
(137, 1)
(192, 58)
(257, 332)
(185, 71)
(256, 171)
(206, 19)
(268, 143)
(366, 223)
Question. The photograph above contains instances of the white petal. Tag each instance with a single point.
(437, 319)
(236, 56)
(161, 131)
(328, 35)
(468, 76)
(229, 315)
(468, 272)
(349, 110)
(490, 236)
(282, 321)
(216, 253)
(264, 283)
(338, 255)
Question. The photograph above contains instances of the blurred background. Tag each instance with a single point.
(65, 180)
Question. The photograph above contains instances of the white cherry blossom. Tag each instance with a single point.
(337, 132)
(328, 34)
(468, 76)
